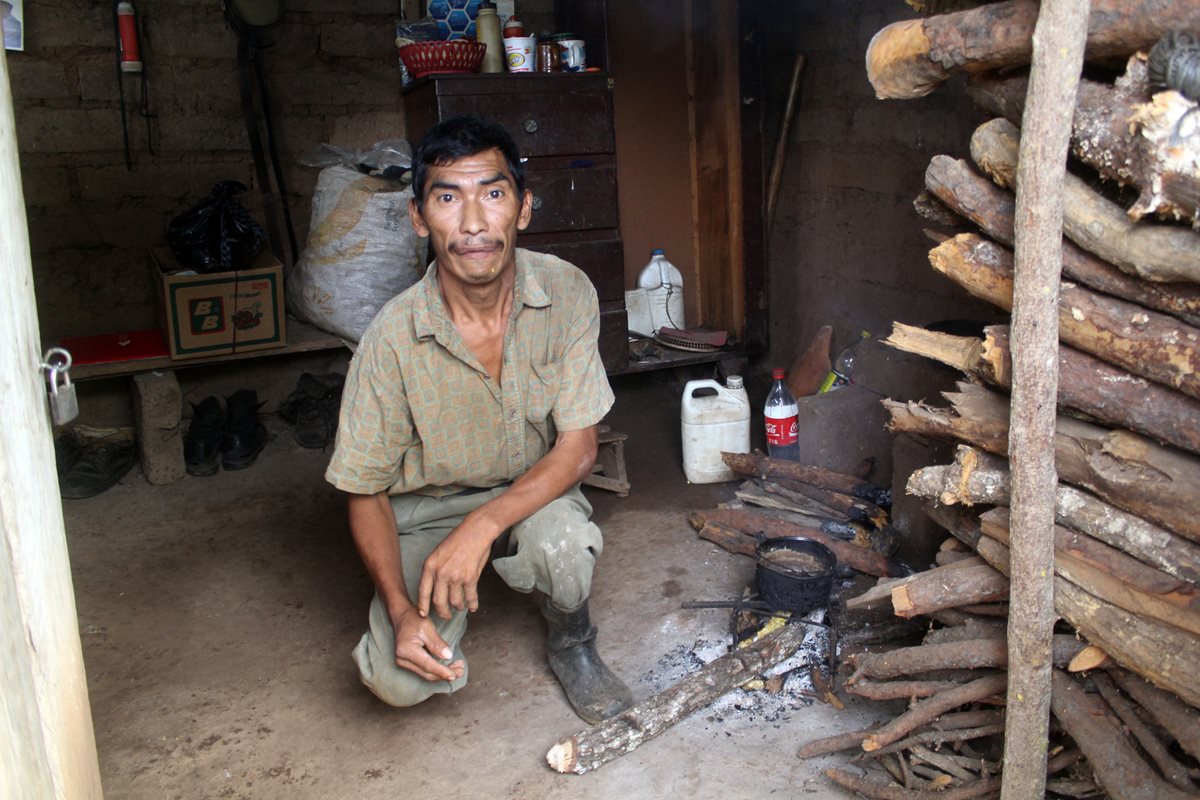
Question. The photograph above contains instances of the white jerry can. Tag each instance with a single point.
(712, 424)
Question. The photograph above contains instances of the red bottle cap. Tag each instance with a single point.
(777, 374)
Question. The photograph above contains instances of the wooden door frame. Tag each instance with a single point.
(47, 745)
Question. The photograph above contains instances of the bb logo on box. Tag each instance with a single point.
(206, 314)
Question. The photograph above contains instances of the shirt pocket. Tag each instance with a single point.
(541, 394)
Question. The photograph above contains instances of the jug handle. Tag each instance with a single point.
(706, 383)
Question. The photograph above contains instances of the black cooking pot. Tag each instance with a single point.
(798, 583)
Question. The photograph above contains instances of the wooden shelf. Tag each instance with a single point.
(301, 338)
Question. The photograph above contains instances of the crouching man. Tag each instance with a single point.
(467, 422)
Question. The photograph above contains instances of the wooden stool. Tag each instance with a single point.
(609, 470)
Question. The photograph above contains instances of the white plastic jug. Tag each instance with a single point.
(663, 285)
(712, 424)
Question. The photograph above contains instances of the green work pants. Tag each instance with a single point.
(552, 551)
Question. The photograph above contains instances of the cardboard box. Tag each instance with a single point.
(221, 312)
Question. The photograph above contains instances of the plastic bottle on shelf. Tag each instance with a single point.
(487, 30)
(842, 372)
(782, 416)
(664, 289)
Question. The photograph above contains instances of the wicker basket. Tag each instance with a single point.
(455, 55)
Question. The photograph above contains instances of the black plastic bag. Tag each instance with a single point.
(218, 235)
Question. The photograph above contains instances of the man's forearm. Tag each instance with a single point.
(569, 461)
(373, 526)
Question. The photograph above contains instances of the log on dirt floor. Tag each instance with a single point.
(1153, 252)
(759, 466)
(1120, 769)
(1146, 343)
(1156, 483)
(1118, 131)
(1103, 392)
(967, 654)
(596, 746)
(960, 188)
(911, 58)
(749, 523)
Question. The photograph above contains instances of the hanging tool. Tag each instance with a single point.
(129, 61)
(253, 21)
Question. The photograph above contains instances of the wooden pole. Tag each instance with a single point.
(1058, 43)
(789, 112)
(47, 747)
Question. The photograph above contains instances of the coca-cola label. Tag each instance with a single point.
(782, 431)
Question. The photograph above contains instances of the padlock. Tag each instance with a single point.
(64, 405)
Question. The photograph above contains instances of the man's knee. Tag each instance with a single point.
(393, 685)
(554, 551)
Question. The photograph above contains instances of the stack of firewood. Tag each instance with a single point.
(1126, 685)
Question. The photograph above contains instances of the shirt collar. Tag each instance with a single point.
(429, 313)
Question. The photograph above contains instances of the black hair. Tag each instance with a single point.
(457, 137)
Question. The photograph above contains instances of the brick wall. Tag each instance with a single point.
(333, 78)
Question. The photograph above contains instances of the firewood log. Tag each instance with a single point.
(968, 654)
(965, 482)
(1121, 133)
(1156, 483)
(1143, 342)
(1181, 722)
(1168, 765)
(991, 207)
(748, 522)
(1113, 576)
(911, 58)
(1162, 654)
(938, 589)
(1103, 392)
(930, 708)
(760, 466)
(596, 746)
(880, 594)
(1121, 771)
(1154, 252)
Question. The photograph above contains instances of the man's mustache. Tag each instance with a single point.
(481, 243)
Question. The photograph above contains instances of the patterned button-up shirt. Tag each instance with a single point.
(420, 413)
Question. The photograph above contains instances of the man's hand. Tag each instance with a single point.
(419, 648)
(450, 576)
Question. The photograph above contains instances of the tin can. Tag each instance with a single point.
(549, 58)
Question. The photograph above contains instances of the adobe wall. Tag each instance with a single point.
(333, 78)
(847, 248)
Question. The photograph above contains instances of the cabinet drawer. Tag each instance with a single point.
(544, 124)
(566, 199)
(614, 336)
(601, 260)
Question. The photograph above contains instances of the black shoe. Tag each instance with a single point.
(245, 436)
(312, 409)
(98, 469)
(67, 451)
(202, 442)
(593, 690)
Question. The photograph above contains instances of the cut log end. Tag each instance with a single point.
(563, 757)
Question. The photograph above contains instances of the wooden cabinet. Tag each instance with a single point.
(563, 126)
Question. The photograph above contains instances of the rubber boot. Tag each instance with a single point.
(592, 689)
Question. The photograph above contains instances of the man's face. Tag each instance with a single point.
(472, 215)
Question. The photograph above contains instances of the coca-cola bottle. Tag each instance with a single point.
(783, 421)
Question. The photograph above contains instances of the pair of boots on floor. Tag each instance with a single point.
(231, 437)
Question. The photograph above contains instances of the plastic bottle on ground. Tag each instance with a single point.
(842, 372)
(782, 417)
(664, 288)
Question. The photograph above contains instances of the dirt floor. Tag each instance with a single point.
(218, 614)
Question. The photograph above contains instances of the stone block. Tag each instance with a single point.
(39, 80)
(362, 129)
(71, 25)
(193, 32)
(363, 37)
(157, 411)
(98, 81)
(841, 428)
(46, 186)
(68, 130)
